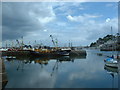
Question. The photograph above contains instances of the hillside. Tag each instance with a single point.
(107, 42)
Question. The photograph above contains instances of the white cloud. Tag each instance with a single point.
(69, 17)
(82, 18)
(44, 14)
(89, 30)
(92, 16)
(67, 8)
(45, 30)
(46, 19)
(108, 20)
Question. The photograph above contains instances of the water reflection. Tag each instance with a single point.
(36, 72)
(111, 69)
(112, 72)
(41, 60)
(58, 72)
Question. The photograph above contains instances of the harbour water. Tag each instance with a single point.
(63, 72)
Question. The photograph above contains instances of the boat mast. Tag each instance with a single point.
(6, 44)
(112, 38)
(22, 42)
(12, 44)
(118, 42)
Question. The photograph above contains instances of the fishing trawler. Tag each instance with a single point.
(51, 52)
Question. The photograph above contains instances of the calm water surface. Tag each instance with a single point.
(63, 72)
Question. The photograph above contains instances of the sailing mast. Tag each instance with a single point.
(22, 42)
(118, 42)
(112, 38)
(112, 42)
(6, 45)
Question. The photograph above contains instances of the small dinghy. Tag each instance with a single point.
(111, 62)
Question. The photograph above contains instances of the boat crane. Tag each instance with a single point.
(55, 43)
(18, 43)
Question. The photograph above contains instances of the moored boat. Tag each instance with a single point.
(111, 62)
(60, 52)
(64, 51)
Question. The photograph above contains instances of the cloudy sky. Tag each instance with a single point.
(78, 22)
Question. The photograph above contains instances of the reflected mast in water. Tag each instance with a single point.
(112, 72)
(55, 67)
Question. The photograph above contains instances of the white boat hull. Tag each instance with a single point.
(112, 64)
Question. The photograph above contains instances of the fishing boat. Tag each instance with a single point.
(64, 51)
(3, 49)
(60, 52)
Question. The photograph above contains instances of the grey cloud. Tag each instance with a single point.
(18, 19)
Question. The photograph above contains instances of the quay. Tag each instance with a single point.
(3, 75)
